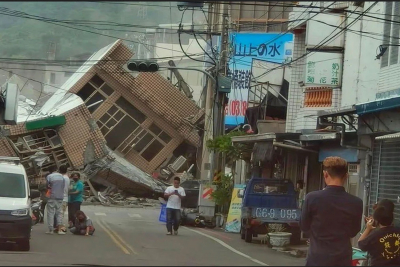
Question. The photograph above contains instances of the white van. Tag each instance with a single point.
(15, 203)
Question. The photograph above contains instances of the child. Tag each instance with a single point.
(383, 244)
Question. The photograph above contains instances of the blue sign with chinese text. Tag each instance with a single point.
(271, 47)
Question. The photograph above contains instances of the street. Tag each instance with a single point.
(126, 236)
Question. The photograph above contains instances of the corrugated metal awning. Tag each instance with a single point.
(388, 136)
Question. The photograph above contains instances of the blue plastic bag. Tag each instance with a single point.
(163, 214)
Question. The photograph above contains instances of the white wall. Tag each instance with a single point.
(361, 69)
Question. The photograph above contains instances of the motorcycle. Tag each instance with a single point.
(37, 214)
(194, 218)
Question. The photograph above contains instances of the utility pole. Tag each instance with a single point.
(219, 103)
(206, 158)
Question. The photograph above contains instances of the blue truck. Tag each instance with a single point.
(269, 201)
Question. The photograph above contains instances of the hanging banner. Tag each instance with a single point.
(233, 222)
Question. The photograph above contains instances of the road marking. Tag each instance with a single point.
(134, 215)
(218, 234)
(100, 214)
(222, 243)
(120, 238)
(124, 249)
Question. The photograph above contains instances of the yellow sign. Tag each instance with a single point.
(233, 222)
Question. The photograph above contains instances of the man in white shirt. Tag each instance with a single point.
(174, 194)
(63, 171)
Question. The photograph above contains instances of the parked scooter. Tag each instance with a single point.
(37, 212)
(192, 217)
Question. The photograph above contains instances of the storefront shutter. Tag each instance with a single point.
(385, 174)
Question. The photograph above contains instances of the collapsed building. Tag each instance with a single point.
(115, 128)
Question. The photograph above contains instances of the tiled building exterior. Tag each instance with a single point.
(143, 119)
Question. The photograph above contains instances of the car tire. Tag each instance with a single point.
(24, 245)
(242, 233)
(248, 236)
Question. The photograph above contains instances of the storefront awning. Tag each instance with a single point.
(337, 111)
(379, 105)
(251, 138)
(279, 144)
(388, 136)
(319, 136)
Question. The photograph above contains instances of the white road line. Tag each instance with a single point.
(132, 215)
(228, 247)
(100, 214)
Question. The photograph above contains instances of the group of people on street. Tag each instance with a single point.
(63, 193)
(331, 217)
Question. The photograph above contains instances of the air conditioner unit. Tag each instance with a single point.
(177, 164)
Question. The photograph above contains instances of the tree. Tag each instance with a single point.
(223, 144)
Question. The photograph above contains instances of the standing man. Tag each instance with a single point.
(75, 197)
(56, 184)
(331, 217)
(63, 171)
(174, 194)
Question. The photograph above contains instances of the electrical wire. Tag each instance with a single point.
(195, 37)
(180, 43)
(287, 31)
(321, 44)
(47, 20)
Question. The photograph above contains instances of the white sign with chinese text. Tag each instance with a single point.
(324, 68)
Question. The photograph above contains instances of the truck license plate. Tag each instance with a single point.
(286, 214)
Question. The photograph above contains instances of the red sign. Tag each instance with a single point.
(236, 108)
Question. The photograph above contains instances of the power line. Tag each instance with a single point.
(321, 44)
(47, 20)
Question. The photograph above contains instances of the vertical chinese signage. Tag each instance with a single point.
(233, 222)
(271, 47)
(324, 69)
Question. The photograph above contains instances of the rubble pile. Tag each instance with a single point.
(113, 197)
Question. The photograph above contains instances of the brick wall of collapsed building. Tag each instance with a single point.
(78, 135)
(152, 95)
(5, 148)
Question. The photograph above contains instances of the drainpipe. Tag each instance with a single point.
(342, 130)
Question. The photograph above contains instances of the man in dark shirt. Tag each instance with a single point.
(331, 217)
(383, 244)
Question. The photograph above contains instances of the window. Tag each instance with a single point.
(121, 128)
(148, 143)
(131, 110)
(391, 33)
(94, 91)
(52, 78)
(270, 187)
(158, 132)
(12, 185)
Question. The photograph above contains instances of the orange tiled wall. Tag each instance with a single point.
(318, 97)
(5, 149)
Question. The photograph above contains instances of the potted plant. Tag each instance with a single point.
(278, 237)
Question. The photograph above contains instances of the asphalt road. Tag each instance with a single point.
(126, 236)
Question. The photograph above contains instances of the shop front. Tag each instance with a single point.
(280, 155)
